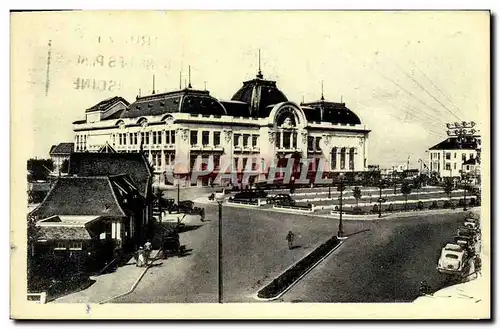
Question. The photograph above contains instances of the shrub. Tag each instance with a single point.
(420, 205)
(375, 209)
(357, 211)
(446, 204)
(461, 202)
(434, 205)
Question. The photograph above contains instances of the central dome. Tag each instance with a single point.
(260, 95)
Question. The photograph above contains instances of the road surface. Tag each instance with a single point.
(380, 261)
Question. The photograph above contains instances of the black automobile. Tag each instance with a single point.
(249, 195)
(281, 199)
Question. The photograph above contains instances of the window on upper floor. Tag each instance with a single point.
(205, 137)
(216, 138)
(160, 133)
(167, 137)
(310, 143)
(172, 136)
(236, 140)
(342, 158)
(317, 146)
(194, 137)
(254, 140)
(246, 139)
(448, 155)
(447, 166)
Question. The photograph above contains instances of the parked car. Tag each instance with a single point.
(453, 260)
(280, 199)
(186, 205)
(249, 195)
(467, 243)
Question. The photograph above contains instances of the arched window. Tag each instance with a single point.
(333, 160)
(351, 158)
(342, 158)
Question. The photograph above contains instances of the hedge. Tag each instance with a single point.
(285, 280)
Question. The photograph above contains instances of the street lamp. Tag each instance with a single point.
(220, 199)
(340, 188)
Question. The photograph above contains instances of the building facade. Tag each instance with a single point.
(448, 157)
(59, 154)
(189, 128)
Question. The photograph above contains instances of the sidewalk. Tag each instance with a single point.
(110, 284)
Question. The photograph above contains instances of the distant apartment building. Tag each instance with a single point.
(454, 157)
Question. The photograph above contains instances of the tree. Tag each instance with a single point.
(40, 168)
(406, 190)
(357, 194)
(448, 187)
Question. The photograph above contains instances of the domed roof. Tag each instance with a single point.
(259, 94)
(324, 111)
(184, 101)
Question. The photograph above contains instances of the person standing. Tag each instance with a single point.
(147, 251)
(140, 257)
(289, 237)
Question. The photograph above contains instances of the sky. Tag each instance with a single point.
(406, 74)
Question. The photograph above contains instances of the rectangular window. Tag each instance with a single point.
(205, 137)
(471, 155)
(454, 155)
(254, 140)
(131, 138)
(235, 163)
(310, 143)
(216, 138)
(246, 138)
(467, 167)
(147, 138)
(447, 166)
(75, 246)
(194, 137)
(245, 161)
(159, 159)
(135, 138)
(448, 155)
(172, 136)
(167, 137)
(294, 144)
(317, 147)
(286, 139)
(192, 161)
(160, 133)
(216, 161)
(60, 246)
(236, 140)
(455, 165)
(154, 137)
(124, 139)
(277, 142)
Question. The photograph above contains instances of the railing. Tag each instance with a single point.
(295, 208)
(245, 202)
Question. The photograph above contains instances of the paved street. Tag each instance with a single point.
(383, 265)
(381, 261)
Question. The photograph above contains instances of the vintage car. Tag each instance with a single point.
(472, 226)
(467, 243)
(249, 195)
(453, 260)
(284, 199)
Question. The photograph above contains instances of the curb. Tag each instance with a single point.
(255, 296)
(135, 283)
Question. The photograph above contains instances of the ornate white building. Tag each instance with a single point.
(250, 131)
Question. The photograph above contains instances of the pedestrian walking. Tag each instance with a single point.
(147, 251)
(289, 237)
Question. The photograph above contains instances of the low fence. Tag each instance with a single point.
(409, 202)
(295, 208)
(255, 204)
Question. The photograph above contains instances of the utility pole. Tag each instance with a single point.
(463, 131)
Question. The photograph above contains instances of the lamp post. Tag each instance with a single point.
(340, 187)
(219, 200)
(465, 194)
